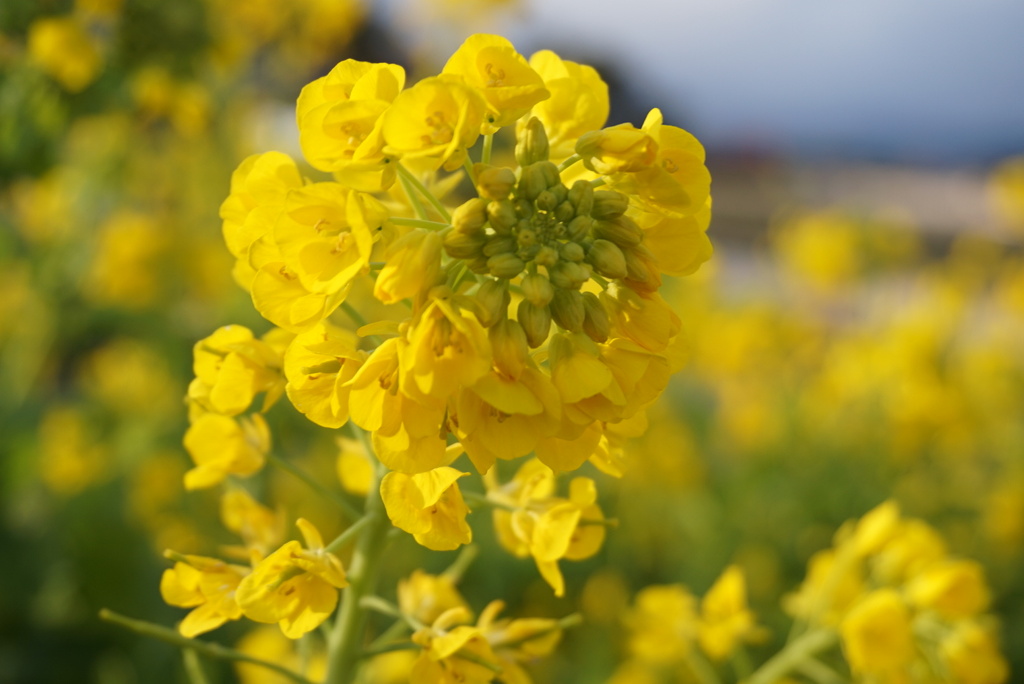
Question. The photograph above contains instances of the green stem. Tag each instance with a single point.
(350, 512)
(418, 223)
(345, 642)
(193, 667)
(353, 313)
(348, 535)
(568, 162)
(797, 652)
(398, 629)
(820, 672)
(598, 182)
(414, 199)
(572, 620)
(208, 649)
(468, 164)
(376, 650)
(416, 183)
(485, 154)
(457, 569)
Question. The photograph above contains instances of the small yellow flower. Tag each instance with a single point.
(578, 102)
(208, 586)
(617, 149)
(662, 624)
(231, 368)
(62, 48)
(428, 506)
(425, 597)
(294, 587)
(491, 65)
(972, 654)
(954, 588)
(443, 658)
(876, 633)
(725, 619)
(318, 364)
(412, 266)
(221, 446)
(260, 528)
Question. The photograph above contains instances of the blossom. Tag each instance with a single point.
(222, 445)
(206, 585)
(428, 506)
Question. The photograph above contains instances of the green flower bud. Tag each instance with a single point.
(536, 322)
(565, 212)
(623, 231)
(478, 265)
(607, 259)
(532, 143)
(559, 276)
(537, 289)
(499, 244)
(526, 238)
(582, 197)
(609, 204)
(570, 251)
(595, 321)
(491, 301)
(505, 265)
(494, 182)
(470, 216)
(580, 227)
(546, 201)
(464, 245)
(546, 256)
(567, 309)
(550, 173)
(524, 208)
(502, 216)
(532, 182)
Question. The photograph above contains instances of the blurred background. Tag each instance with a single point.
(856, 337)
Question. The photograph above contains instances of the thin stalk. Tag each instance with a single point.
(797, 652)
(208, 649)
(193, 667)
(350, 534)
(485, 154)
(376, 650)
(820, 672)
(702, 669)
(571, 620)
(418, 223)
(458, 568)
(468, 164)
(398, 629)
(353, 313)
(423, 190)
(568, 162)
(350, 512)
(414, 198)
(345, 642)
(598, 182)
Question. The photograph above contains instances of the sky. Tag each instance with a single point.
(914, 80)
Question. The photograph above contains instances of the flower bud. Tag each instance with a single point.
(509, 346)
(640, 269)
(581, 194)
(470, 216)
(623, 231)
(595, 321)
(526, 238)
(537, 289)
(532, 182)
(608, 204)
(524, 208)
(502, 216)
(546, 201)
(607, 259)
(532, 143)
(494, 182)
(567, 309)
(499, 244)
(580, 227)
(478, 265)
(565, 212)
(505, 265)
(464, 245)
(558, 276)
(546, 256)
(570, 251)
(536, 322)
(490, 301)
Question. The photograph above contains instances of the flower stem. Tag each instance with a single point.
(485, 154)
(418, 223)
(350, 512)
(422, 189)
(345, 641)
(410, 192)
(208, 649)
(193, 667)
(568, 162)
(795, 654)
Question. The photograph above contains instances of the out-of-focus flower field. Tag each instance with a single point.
(838, 356)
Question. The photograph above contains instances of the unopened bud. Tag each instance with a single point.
(532, 182)
(607, 259)
(559, 277)
(608, 204)
(470, 216)
(580, 227)
(532, 143)
(499, 244)
(623, 231)
(546, 201)
(478, 265)
(546, 256)
(536, 322)
(502, 216)
(537, 289)
(565, 212)
(464, 245)
(494, 182)
(567, 309)
(595, 321)
(509, 346)
(571, 251)
(505, 265)
(491, 301)
(581, 194)
(617, 149)
(524, 208)
(526, 238)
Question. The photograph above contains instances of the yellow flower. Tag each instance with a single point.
(425, 597)
(435, 121)
(221, 446)
(645, 319)
(828, 591)
(516, 641)
(208, 586)
(428, 506)
(340, 125)
(955, 588)
(491, 65)
(617, 149)
(443, 658)
(268, 644)
(260, 528)
(679, 244)
(294, 587)
(125, 268)
(412, 266)
(578, 102)
(62, 48)
(662, 624)
(355, 469)
(318, 364)
(972, 655)
(725, 619)
(876, 634)
(231, 368)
